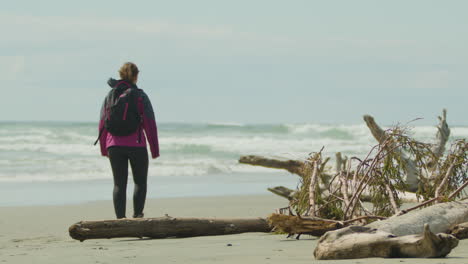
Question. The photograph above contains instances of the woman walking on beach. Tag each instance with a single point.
(125, 114)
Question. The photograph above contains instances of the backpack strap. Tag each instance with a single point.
(141, 112)
(99, 136)
(118, 84)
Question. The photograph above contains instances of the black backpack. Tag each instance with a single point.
(121, 116)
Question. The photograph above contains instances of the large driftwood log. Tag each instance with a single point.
(439, 217)
(293, 166)
(364, 242)
(165, 227)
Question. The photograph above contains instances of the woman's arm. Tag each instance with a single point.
(149, 124)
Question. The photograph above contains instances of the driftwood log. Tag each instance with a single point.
(382, 234)
(293, 166)
(364, 242)
(440, 217)
(164, 227)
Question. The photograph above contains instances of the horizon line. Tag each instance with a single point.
(229, 123)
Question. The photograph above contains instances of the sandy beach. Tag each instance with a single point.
(354, 107)
(39, 234)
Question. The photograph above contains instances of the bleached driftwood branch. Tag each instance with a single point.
(293, 166)
(442, 136)
(314, 182)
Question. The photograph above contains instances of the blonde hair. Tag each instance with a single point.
(129, 72)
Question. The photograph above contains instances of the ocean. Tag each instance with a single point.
(48, 163)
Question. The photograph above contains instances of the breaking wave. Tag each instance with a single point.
(51, 151)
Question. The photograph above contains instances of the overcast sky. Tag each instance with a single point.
(242, 61)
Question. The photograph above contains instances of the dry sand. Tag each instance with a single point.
(40, 235)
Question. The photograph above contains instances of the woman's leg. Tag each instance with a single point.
(119, 162)
(139, 163)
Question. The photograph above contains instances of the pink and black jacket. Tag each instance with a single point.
(137, 139)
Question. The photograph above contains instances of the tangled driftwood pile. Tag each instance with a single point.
(362, 190)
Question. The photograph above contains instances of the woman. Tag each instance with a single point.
(132, 145)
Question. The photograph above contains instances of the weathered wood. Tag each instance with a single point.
(292, 224)
(459, 231)
(440, 217)
(293, 166)
(364, 242)
(442, 136)
(165, 227)
(375, 239)
(313, 186)
(377, 132)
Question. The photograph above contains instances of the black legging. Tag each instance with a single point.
(138, 157)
